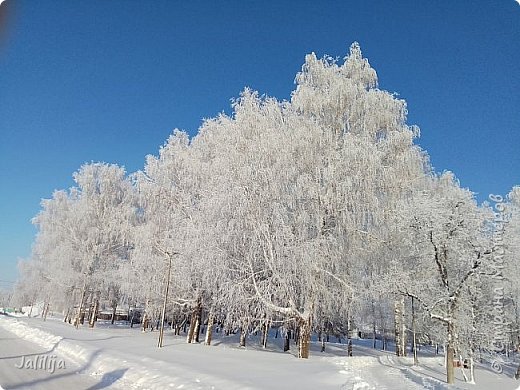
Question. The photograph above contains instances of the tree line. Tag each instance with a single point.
(315, 215)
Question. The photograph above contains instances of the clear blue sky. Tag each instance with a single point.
(96, 80)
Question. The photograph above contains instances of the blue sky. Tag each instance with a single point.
(97, 80)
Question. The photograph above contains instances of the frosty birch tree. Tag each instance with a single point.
(100, 222)
(306, 178)
(448, 230)
(53, 252)
(168, 194)
(82, 233)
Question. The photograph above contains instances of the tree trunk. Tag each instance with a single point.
(181, 325)
(145, 322)
(397, 321)
(374, 343)
(94, 315)
(146, 319)
(243, 333)
(114, 310)
(414, 344)
(193, 320)
(89, 315)
(400, 327)
(286, 343)
(450, 352)
(304, 339)
(265, 333)
(471, 369)
(46, 311)
(209, 331)
(132, 317)
(43, 309)
(198, 321)
(90, 307)
(80, 305)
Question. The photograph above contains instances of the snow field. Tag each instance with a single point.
(124, 357)
(134, 373)
(130, 358)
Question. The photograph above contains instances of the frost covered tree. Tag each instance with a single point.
(303, 183)
(506, 273)
(82, 233)
(100, 223)
(448, 233)
(52, 252)
(169, 195)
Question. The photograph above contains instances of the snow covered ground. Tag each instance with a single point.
(26, 365)
(117, 356)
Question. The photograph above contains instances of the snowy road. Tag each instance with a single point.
(13, 349)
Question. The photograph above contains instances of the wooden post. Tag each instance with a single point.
(167, 289)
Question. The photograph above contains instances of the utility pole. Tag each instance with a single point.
(167, 289)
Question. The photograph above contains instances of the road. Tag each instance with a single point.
(40, 368)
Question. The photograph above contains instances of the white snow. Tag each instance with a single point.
(127, 357)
